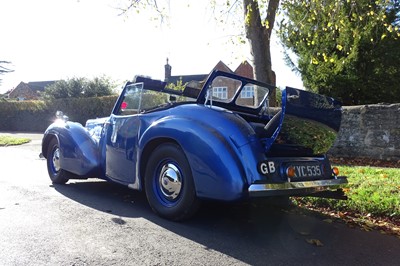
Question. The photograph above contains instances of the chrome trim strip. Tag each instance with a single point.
(296, 187)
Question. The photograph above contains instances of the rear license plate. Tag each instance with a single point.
(302, 171)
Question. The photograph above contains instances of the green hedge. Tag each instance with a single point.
(36, 116)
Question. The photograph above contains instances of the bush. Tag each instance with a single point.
(82, 109)
(79, 88)
(36, 116)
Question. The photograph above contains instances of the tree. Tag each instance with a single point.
(79, 88)
(4, 69)
(258, 20)
(258, 32)
(346, 49)
(99, 86)
(178, 86)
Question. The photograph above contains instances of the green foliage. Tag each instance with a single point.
(81, 109)
(346, 49)
(151, 99)
(179, 86)
(370, 190)
(278, 92)
(36, 116)
(27, 116)
(317, 137)
(79, 88)
(10, 140)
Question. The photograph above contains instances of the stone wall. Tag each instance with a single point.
(371, 131)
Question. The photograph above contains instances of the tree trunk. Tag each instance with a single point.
(259, 37)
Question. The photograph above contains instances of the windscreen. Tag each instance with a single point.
(225, 89)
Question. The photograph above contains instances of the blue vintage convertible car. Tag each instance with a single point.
(221, 142)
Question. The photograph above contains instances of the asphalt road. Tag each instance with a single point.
(92, 222)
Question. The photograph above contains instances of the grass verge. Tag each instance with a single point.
(10, 140)
(373, 196)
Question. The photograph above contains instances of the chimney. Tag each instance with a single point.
(167, 68)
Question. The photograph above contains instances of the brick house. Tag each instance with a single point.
(29, 91)
(225, 87)
(244, 69)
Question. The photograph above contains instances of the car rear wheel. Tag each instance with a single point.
(169, 183)
(57, 175)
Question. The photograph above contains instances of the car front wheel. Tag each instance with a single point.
(169, 183)
(57, 175)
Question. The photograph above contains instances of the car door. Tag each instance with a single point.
(122, 135)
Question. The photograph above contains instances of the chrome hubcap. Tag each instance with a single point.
(170, 181)
(56, 160)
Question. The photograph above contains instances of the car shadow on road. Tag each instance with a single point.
(253, 233)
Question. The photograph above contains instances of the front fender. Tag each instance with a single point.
(217, 170)
(79, 153)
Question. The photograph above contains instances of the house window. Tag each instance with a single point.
(247, 92)
(220, 92)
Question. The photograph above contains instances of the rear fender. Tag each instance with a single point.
(79, 153)
(219, 174)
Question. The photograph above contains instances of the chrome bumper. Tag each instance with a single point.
(296, 188)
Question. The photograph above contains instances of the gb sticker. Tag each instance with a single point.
(266, 167)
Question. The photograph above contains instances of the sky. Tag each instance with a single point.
(61, 39)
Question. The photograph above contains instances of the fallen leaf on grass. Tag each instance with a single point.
(366, 228)
(328, 221)
(346, 189)
(353, 219)
(315, 242)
